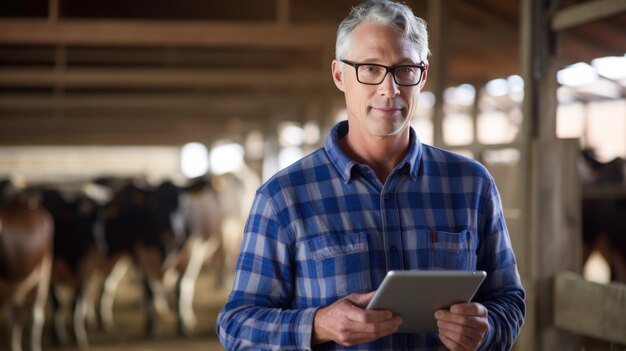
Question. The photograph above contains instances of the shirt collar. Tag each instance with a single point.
(344, 164)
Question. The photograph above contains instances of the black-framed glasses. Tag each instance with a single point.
(373, 74)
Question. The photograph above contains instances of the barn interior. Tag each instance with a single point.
(163, 90)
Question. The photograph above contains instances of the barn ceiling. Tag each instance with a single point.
(118, 72)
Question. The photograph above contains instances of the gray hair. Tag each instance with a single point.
(398, 16)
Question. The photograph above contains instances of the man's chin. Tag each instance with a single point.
(387, 130)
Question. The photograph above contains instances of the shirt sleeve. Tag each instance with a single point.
(256, 314)
(502, 292)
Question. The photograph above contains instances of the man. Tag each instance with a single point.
(322, 233)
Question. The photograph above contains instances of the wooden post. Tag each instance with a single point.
(53, 10)
(282, 12)
(552, 247)
(437, 14)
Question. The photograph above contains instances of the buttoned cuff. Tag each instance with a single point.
(304, 328)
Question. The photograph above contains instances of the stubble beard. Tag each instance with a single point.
(384, 126)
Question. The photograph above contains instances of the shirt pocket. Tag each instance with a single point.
(340, 263)
(452, 250)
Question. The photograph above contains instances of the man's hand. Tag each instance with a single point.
(346, 322)
(463, 326)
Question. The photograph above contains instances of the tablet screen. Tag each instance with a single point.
(415, 295)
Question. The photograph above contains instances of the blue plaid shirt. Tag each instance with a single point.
(326, 227)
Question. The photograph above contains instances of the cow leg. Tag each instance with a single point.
(150, 261)
(92, 300)
(229, 250)
(187, 284)
(156, 304)
(109, 287)
(151, 314)
(82, 301)
(79, 320)
(8, 323)
(15, 319)
(218, 261)
(14, 340)
(59, 314)
(59, 290)
(39, 304)
(16, 337)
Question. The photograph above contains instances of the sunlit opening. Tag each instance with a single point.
(226, 158)
(289, 155)
(516, 83)
(341, 115)
(601, 88)
(494, 128)
(424, 129)
(566, 95)
(290, 134)
(464, 95)
(612, 67)
(194, 160)
(502, 156)
(605, 130)
(457, 129)
(576, 75)
(570, 120)
(426, 100)
(497, 87)
(312, 133)
(254, 145)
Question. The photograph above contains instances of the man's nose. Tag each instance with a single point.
(388, 87)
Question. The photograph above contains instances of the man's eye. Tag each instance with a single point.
(405, 70)
(371, 69)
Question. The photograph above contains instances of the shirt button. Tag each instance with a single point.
(393, 249)
(387, 196)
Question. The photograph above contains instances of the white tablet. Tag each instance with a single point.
(415, 295)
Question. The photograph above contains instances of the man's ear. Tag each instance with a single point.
(338, 74)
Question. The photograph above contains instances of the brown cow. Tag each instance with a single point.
(25, 265)
(604, 217)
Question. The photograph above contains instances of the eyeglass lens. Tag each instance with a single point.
(403, 75)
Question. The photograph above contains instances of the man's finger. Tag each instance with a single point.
(459, 332)
(361, 300)
(474, 322)
(450, 343)
(469, 309)
(371, 316)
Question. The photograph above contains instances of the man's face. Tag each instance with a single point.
(385, 109)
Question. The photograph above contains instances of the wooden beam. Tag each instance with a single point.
(184, 102)
(163, 33)
(590, 309)
(117, 130)
(482, 15)
(163, 78)
(120, 137)
(200, 57)
(489, 66)
(586, 12)
(605, 192)
(574, 49)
